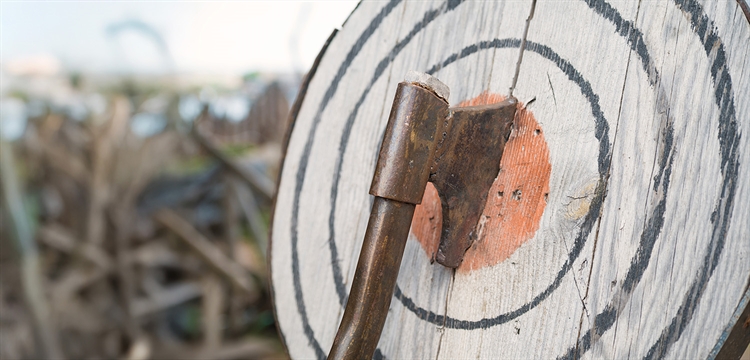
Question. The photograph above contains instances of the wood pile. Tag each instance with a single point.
(264, 123)
(115, 246)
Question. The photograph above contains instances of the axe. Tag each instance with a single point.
(457, 149)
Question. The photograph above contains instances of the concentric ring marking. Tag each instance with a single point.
(604, 158)
(728, 138)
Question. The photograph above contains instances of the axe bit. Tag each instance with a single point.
(459, 151)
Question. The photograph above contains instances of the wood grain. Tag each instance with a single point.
(642, 248)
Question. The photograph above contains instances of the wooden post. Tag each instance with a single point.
(619, 224)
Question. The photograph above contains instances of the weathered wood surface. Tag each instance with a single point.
(642, 245)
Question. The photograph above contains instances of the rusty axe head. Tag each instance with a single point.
(458, 149)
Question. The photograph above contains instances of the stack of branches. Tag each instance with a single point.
(110, 250)
(263, 123)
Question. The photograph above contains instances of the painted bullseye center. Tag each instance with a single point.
(515, 202)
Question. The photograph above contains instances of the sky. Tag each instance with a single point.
(205, 37)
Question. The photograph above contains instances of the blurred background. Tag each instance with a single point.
(140, 144)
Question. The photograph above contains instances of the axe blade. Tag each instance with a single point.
(466, 164)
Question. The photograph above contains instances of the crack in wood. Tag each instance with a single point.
(523, 47)
(606, 185)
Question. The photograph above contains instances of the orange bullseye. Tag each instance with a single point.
(515, 202)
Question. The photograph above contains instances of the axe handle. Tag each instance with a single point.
(374, 280)
(415, 125)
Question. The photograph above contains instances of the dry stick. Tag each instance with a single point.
(232, 233)
(69, 283)
(139, 350)
(523, 47)
(165, 298)
(212, 304)
(208, 251)
(104, 147)
(31, 275)
(123, 216)
(251, 210)
(123, 220)
(231, 226)
(255, 178)
(59, 158)
(58, 237)
(247, 348)
(154, 254)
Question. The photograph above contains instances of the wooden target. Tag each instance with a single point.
(619, 225)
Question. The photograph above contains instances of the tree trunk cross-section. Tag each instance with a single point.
(635, 244)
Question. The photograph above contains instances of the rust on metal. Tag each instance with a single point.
(466, 164)
(374, 280)
(459, 150)
(416, 121)
(745, 8)
(737, 341)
